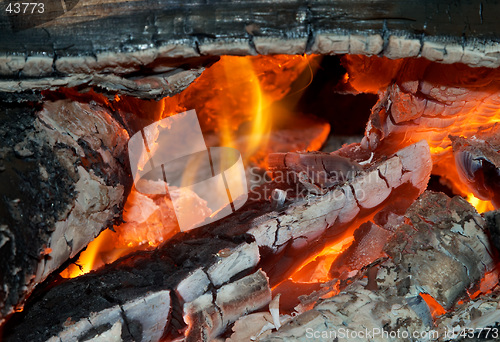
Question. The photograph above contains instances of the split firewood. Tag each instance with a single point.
(423, 100)
(63, 182)
(441, 251)
(301, 223)
(111, 299)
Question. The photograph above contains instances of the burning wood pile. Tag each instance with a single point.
(329, 244)
(385, 226)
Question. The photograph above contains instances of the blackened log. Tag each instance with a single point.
(121, 37)
(133, 279)
(209, 256)
(442, 250)
(63, 181)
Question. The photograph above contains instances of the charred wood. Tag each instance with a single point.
(111, 298)
(442, 251)
(120, 37)
(64, 178)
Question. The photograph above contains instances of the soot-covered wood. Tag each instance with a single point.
(218, 254)
(185, 269)
(439, 248)
(63, 180)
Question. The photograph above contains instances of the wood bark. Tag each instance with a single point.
(190, 265)
(123, 37)
(441, 250)
(423, 100)
(195, 273)
(64, 180)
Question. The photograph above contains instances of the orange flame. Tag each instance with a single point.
(480, 205)
(435, 308)
(316, 268)
(233, 99)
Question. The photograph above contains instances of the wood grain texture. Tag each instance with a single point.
(126, 36)
(256, 236)
(63, 181)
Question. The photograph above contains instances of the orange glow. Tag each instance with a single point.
(455, 100)
(480, 205)
(487, 283)
(316, 268)
(89, 258)
(235, 102)
(435, 308)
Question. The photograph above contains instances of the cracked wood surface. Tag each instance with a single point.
(441, 249)
(63, 182)
(183, 274)
(124, 37)
(212, 255)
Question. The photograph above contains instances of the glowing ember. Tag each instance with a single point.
(423, 100)
(316, 269)
(233, 99)
(435, 308)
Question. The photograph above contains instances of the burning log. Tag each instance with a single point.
(63, 182)
(424, 100)
(478, 163)
(298, 226)
(441, 251)
(167, 278)
(104, 39)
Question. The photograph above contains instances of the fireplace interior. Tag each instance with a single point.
(358, 156)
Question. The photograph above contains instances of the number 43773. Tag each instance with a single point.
(25, 7)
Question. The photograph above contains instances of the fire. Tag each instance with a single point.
(424, 100)
(435, 308)
(480, 205)
(316, 268)
(90, 258)
(234, 100)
